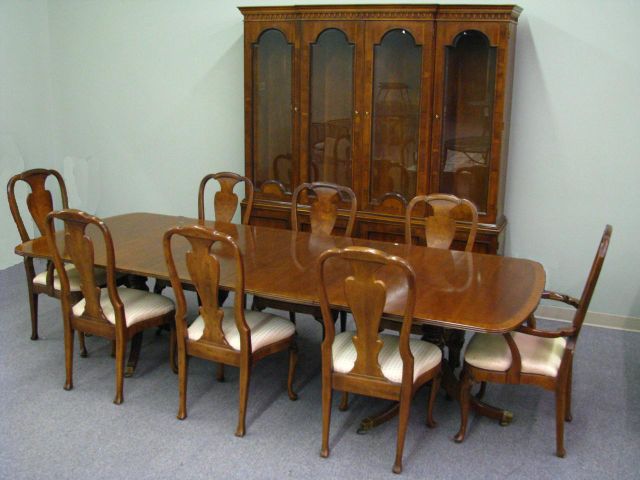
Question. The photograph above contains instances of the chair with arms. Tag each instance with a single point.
(232, 336)
(39, 204)
(365, 361)
(440, 227)
(532, 356)
(323, 215)
(116, 313)
(225, 204)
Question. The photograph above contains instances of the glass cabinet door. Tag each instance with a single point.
(331, 106)
(396, 96)
(467, 117)
(272, 57)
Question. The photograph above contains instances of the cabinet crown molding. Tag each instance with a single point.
(507, 13)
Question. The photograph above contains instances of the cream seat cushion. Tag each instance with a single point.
(539, 355)
(266, 328)
(139, 305)
(74, 277)
(426, 355)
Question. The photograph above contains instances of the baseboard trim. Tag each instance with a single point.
(595, 319)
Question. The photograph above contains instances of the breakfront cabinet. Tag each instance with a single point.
(391, 100)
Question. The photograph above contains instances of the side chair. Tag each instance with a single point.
(365, 361)
(439, 229)
(532, 356)
(39, 204)
(225, 204)
(325, 199)
(230, 336)
(116, 313)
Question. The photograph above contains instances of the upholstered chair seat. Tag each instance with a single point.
(139, 305)
(425, 356)
(266, 328)
(539, 355)
(74, 278)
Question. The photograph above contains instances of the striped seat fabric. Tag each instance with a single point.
(266, 328)
(139, 305)
(426, 356)
(74, 277)
(539, 355)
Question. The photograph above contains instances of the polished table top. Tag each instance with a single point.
(455, 289)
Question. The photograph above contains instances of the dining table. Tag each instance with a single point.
(454, 289)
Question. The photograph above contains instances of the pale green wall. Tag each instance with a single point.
(148, 97)
(25, 102)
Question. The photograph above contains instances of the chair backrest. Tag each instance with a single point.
(203, 267)
(225, 202)
(324, 210)
(440, 228)
(39, 200)
(592, 280)
(365, 293)
(79, 247)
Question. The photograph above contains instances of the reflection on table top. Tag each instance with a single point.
(454, 289)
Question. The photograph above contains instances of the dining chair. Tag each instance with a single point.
(365, 361)
(225, 204)
(324, 199)
(532, 356)
(39, 204)
(230, 336)
(116, 313)
(439, 228)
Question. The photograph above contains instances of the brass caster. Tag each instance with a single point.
(506, 418)
(128, 371)
(365, 425)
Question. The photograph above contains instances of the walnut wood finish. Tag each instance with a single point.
(440, 225)
(225, 202)
(39, 204)
(323, 212)
(366, 294)
(560, 384)
(204, 267)
(433, 126)
(440, 228)
(484, 293)
(80, 229)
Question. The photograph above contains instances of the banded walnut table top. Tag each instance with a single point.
(468, 291)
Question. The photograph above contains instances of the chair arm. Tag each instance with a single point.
(562, 332)
(559, 297)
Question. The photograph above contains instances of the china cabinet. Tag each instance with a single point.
(391, 100)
